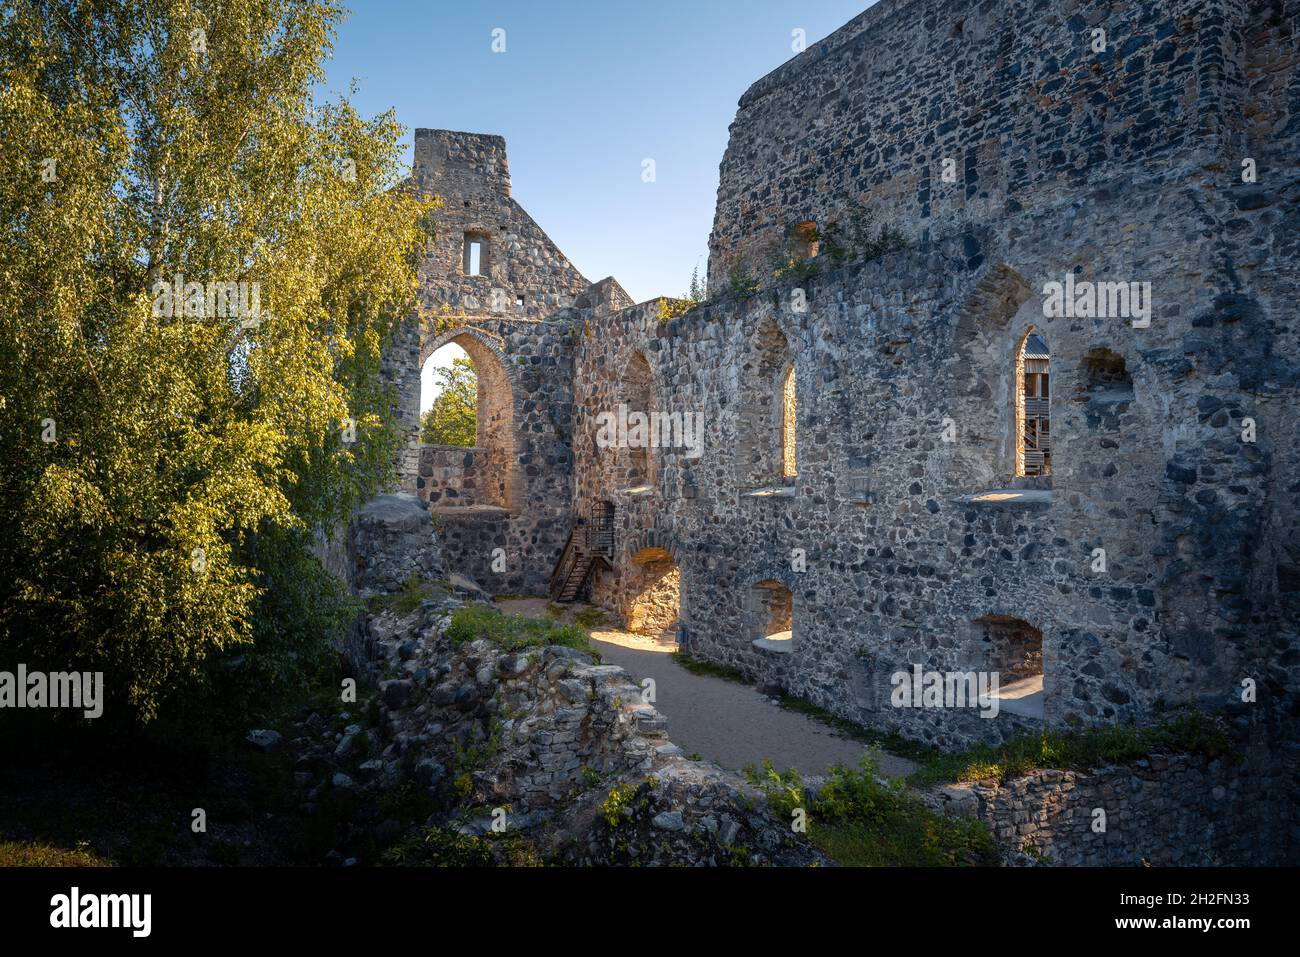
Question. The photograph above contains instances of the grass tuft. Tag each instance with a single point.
(1189, 733)
(514, 632)
(592, 617)
(444, 846)
(35, 854)
(409, 597)
(697, 666)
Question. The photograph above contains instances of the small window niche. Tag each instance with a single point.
(771, 611)
(789, 427)
(476, 257)
(857, 481)
(804, 240)
(1104, 377)
(1106, 390)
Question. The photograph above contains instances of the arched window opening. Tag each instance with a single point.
(449, 398)
(767, 418)
(639, 396)
(655, 604)
(788, 418)
(1033, 395)
(466, 426)
(771, 616)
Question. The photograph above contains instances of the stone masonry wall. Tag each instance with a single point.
(906, 527)
(1011, 93)
(450, 475)
(1163, 811)
(522, 463)
(1196, 596)
(545, 735)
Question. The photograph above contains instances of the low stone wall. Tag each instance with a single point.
(1166, 810)
(530, 547)
(543, 714)
(452, 475)
(389, 539)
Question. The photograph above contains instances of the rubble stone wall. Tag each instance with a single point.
(1163, 811)
(1158, 561)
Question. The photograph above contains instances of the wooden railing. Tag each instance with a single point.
(589, 539)
(599, 539)
(569, 558)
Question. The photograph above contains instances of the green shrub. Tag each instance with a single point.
(303, 612)
(743, 285)
(145, 454)
(474, 755)
(857, 821)
(784, 789)
(619, 797)
(440, 846)
(856, 237)
(410, 596)
(674, 308)
(591, 617)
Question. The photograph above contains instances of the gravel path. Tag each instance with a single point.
(721, 720)
(734, 725)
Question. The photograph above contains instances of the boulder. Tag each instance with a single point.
(264, 739)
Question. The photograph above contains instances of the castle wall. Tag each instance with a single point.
(1011, 93)
(451, 475)
(506, 319)
(1159, 478)
(1176, 810)
(906, 528)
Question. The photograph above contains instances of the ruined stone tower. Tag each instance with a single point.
(488, 281)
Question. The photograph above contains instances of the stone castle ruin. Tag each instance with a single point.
(1043, 424)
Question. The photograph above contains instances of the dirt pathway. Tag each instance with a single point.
(719, 720)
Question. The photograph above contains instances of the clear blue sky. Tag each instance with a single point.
(585, 91)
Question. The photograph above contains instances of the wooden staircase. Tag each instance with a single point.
(1037, 438)
(590, 541)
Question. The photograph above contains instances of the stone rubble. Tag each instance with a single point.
(544, 733)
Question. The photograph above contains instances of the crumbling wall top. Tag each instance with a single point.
(461, 164)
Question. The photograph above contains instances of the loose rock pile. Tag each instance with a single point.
(540, 744)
